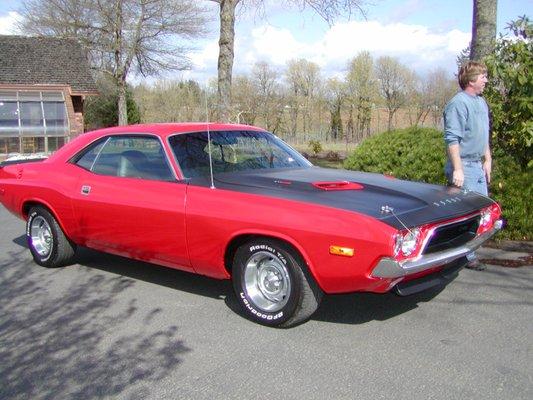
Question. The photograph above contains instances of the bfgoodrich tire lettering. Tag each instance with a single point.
(271, 285)
(46, 240)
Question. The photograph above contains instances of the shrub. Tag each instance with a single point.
(102, 111)
(419, 154)
(512, 187)
(333, 155)
(315, 146)
(416, 154)
(510, 92)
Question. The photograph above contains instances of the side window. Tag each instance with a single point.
(128, 156)
(191, 151)
(86, 160)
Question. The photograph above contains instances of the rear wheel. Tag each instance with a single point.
(271, 285)
(47, 242)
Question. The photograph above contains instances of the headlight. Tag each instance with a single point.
(485, 217)
(488, 217)
(407, 242)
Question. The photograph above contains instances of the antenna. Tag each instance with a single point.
(389, 210)
(209, 142)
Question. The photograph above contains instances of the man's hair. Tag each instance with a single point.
(469, 73)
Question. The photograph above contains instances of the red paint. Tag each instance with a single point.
(344, 185)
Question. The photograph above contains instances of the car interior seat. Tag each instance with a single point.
(131, 163)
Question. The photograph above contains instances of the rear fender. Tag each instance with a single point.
(28, 204)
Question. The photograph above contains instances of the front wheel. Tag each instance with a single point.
(48, 244)
(271, 285)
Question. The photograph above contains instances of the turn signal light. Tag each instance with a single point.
(341, 251)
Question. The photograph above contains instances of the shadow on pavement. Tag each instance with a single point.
(355, 308)
(21, 241)
(359, 308)
(72, 345)
(168, 277)
(348, 309)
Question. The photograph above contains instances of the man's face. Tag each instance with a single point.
(479, 84)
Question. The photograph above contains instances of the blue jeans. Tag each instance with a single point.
(475, 179)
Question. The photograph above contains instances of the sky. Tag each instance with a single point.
(422, 34)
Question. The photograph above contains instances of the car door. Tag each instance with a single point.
(129, 202)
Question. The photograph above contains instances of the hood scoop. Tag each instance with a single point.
(337, 185)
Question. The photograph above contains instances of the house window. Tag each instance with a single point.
(55, 115)
(32, 121)
(31, 118)
(9, 116)
(9, 145)
(33, 145)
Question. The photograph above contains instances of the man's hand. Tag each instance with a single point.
(487, 164)
(487, 167)
(458, 177)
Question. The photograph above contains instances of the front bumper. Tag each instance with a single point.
(389, 268)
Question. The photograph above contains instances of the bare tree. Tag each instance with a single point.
(170, 101)
(394, 81)
(483, 28)
(303, 78)
(361, 91)
(329, 10)
(143, 36)
(246, 100)
(440, 88)
(267, 87)
(335, 96)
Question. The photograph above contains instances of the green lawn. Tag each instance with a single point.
(324, 163)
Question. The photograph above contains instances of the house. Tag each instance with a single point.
(43, 84)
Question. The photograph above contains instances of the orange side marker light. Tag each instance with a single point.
(341, 251)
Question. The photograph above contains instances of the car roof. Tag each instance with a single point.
(162, 130)
(166, 129)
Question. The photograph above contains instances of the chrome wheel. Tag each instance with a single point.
(267, 281)
(41, 236)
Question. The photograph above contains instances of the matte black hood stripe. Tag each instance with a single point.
(413, 202)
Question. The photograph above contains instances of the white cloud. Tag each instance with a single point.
(276, 45)
(206, 56)
(414, 45)
(7, 23)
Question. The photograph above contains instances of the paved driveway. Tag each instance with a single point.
(112, 328)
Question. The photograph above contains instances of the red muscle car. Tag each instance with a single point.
(235, 202)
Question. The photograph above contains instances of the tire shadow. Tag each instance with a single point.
(359, 308)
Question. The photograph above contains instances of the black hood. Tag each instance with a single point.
(413, 203)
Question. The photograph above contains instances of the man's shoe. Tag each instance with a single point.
(476, 265)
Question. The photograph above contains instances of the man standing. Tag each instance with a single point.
(466, 133)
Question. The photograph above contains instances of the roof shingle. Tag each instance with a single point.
(44, 61)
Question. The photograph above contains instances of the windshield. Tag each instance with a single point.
(233, 151)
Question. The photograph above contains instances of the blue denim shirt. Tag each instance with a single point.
(466, 122)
